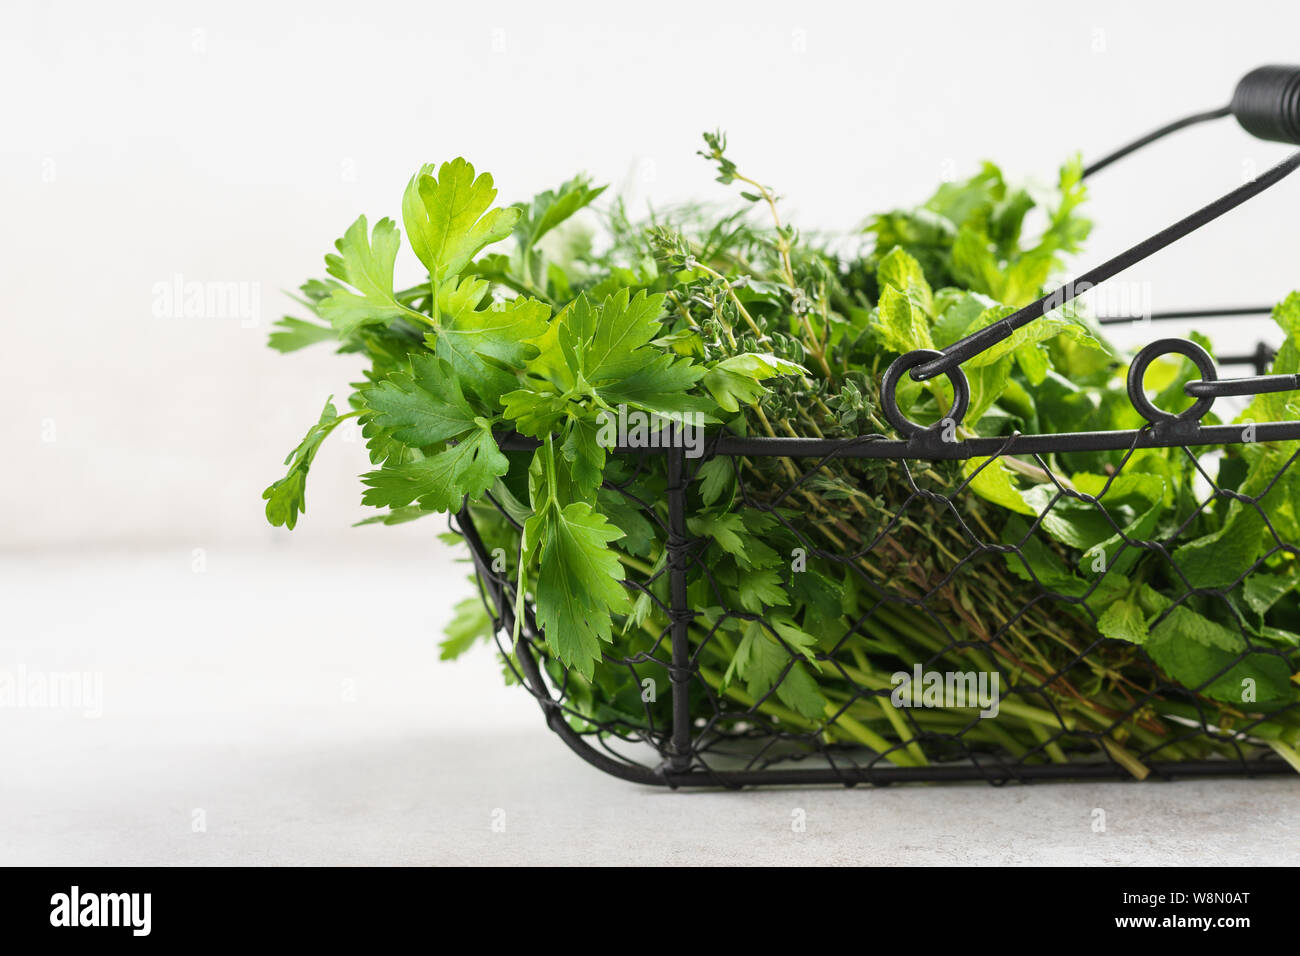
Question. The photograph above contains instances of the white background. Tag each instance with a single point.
(234, 141)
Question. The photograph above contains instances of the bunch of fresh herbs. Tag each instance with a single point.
(528, 323)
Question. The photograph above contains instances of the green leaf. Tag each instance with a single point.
(441, 481)
(903, 324)
(661, 386)
(1151, 600)
(291, 334)
(957, 318)
(1029, 336)
(449, 218)
(499, 333)
(381, 446)
(716, 476)
(605, 352)
(988, 384)
(1194, 650)
(579, 584)
(286, 498)
(613, 347)
(761, 589)
(962, 200)
(993, 482)
(421, 406)
(1287, 315)
(1182, 624)
(486, 347)
(586, 456)
(903, 273)
(761, 661)
(534, 413)
(396, 516)
(1124, 620)
(469, 624)
(799, 692)
(606, 344)
(1133, 502)
(1220, 558)
(550, 208)
(732, 535)
(1033, 362)
(1025, 278)
(974, 263)
(736, 380)
(639, 533)
(1262, 590)
(1034, 561)
(364, 262)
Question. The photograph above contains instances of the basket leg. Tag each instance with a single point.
(678, 546)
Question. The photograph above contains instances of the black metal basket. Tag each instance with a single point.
(723, 739)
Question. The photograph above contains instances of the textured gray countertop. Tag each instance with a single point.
(259, 712)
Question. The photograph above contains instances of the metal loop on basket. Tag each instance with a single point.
(889, 398)
(1138, 369)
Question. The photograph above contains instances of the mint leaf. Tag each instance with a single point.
(1123, 620)
(974, 263)
(904, 326)
(1030, 336)
(993, 482)
(1202, 655)
(736, 380)
(1262, 590)
(1220, 558)
(1182, 625)
(903, 273)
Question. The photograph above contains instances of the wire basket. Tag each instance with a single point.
(1149, 726)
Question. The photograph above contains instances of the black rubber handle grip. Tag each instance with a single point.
(1267, 103)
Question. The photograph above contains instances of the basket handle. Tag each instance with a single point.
(1266, 103)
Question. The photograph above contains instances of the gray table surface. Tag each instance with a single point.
(257, 713)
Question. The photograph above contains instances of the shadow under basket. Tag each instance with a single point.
(1011, 612)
